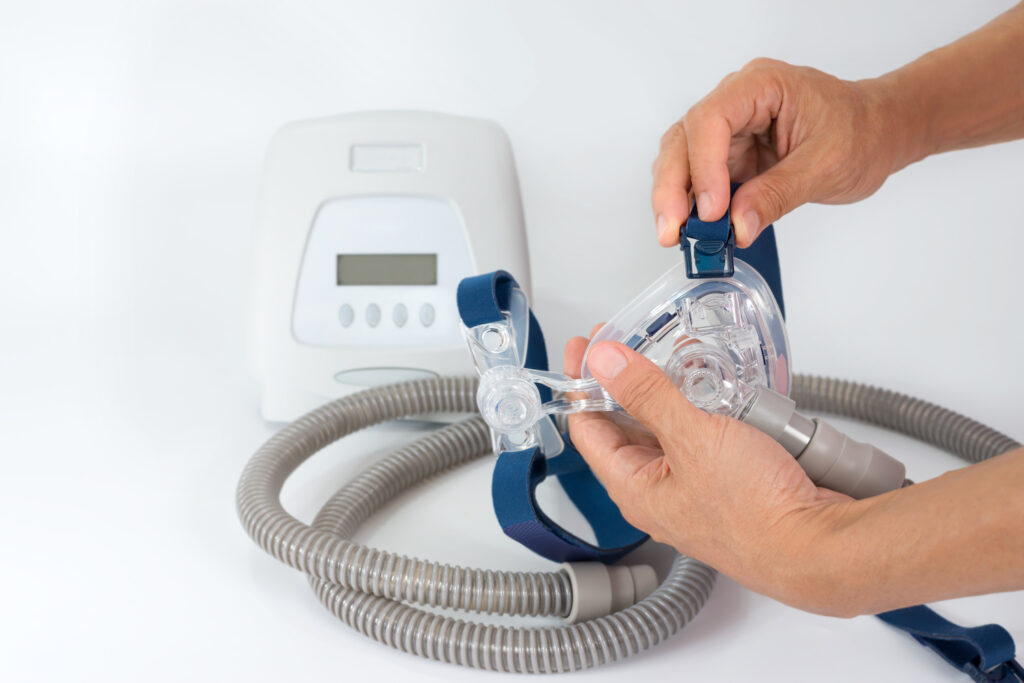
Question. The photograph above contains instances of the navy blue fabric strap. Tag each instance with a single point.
(985, 653)
(763, 254)
(482, 299)
(513, 488)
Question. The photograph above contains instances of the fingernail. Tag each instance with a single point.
(704, 206)
(662, 224)
(606, 360)
(749, 223)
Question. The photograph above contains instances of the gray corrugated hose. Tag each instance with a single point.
(375, 591)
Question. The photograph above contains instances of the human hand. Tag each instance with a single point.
(791, 134)
(714, 488)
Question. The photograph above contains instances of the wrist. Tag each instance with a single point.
(821, 573)
(897, 117)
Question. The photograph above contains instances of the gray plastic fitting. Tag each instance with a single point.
(599, 589)
(776, 416)
(835, 461)
(830, 458)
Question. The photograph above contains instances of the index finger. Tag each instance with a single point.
(670, 198)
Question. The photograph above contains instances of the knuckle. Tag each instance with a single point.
(697, 115)
(704, 124)
(671, 136)
(763, 64)
(729, 78)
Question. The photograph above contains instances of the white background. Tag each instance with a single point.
(131, 142)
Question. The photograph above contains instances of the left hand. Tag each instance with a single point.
(714, 488)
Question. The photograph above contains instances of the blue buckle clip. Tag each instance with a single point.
(712, 258)
(711, 251)
(708, 257)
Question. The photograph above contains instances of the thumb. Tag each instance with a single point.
(767, 197)
(639, 386)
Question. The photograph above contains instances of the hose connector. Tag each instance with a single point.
(599, 589)
(830, 458)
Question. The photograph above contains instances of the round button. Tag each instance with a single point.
(346, 315)
(372, 315)
(399, 314)
(427, 315)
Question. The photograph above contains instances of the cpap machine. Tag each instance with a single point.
(390, 256)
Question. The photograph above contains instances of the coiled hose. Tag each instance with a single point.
(375, 592)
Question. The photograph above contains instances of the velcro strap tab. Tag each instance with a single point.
(985, 653)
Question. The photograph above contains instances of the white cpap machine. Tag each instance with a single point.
(366, 224)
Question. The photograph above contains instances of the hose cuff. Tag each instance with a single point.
(835, 461)
(599, 589)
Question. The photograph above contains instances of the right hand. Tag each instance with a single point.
(791, 134)
(716, 489)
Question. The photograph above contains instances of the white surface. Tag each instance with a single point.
(131, 142)
(318, 200)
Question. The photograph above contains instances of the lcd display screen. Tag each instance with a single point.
(387, 269)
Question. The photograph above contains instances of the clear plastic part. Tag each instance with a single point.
(510, 402)
(718, 340)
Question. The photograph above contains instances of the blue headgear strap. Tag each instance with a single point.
(482, 299)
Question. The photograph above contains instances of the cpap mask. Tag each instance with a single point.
(720, 341)
(712, 323)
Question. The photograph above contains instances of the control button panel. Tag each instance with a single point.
(382, 271)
